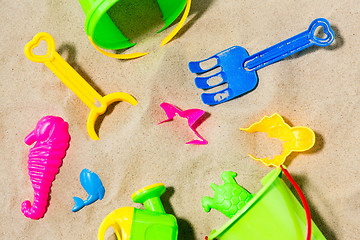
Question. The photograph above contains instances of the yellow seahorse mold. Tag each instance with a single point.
(295, 139)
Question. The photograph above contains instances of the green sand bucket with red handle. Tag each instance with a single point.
(272, 214)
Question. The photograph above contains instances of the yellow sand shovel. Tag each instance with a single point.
(74, 81)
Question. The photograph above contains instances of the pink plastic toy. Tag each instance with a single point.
(52, 140)
(193, 116)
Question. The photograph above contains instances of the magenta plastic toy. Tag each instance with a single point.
(52, 140)
(193, 116)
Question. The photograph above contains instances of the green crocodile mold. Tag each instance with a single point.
(228, 198)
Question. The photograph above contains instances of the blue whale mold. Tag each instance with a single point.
(92, 184)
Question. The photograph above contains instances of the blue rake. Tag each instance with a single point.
(238, 69)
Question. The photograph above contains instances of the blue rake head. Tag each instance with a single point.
(239, 80)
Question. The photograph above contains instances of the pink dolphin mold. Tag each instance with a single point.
(193, 116)
(45, 158)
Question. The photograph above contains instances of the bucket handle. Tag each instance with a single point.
(118, 56)
(179, 26)
(303, 200)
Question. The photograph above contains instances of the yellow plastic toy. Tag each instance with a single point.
(74, 81)
(295, 139)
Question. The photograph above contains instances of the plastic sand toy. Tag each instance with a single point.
(153, 223)
(273, 213)
(103, 33)
(74, 81)
(45, 158)
(229, 198)
(238, 69)
(193, 116)
(92, 184)
(295, 139)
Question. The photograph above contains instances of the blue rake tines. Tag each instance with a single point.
(238, 69)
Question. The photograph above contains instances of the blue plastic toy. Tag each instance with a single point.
(238, 69)
(92, 184)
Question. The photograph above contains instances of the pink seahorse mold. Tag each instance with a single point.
(52, 140)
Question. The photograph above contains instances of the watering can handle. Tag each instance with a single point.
(291, 46)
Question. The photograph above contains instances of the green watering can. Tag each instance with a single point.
(272, 214)
(153, 223)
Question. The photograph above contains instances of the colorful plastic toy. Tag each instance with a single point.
(52, 140)
(238, 69)
(74, 81)
(193, 116)
(228, 198)
(102, 31)
(295, 139)
(153, 223)
(92, 184)
(273, 213)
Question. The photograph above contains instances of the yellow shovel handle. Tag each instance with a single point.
(74, 81)
(64, 71)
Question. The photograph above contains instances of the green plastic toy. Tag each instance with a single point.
(272, 214)
(103, 32)
(228, 198)
(153, 223)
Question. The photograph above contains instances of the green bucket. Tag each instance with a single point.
(103, 31)
(273, 213)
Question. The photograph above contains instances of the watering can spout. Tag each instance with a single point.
(150, 224)
(150, 197)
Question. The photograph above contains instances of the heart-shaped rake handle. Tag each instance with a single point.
(329, 33)
(291, 46)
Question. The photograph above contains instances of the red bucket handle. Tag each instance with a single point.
(304, 202)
